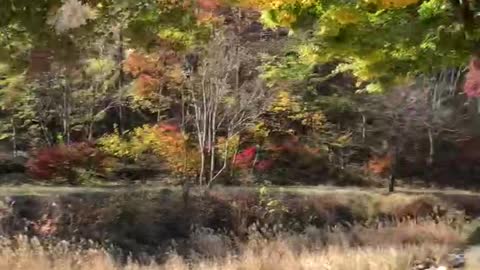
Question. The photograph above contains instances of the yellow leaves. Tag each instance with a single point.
(289, 105)
(260, 132)
(176, 36)
(309, 54)
(175, 74)
(343, 140)
(165, 142)
(285, 18)
(228, 146)
(284, 103)
(314, 120)
(345, 15)
(274, 4)
(263, 4)
(114, 145)
(330, 29)
(98, 68)
(393, 3)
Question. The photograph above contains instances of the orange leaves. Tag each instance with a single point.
(152, 71)
(145, 85)
(380, 165)
(209, 5)
(136, 64)
(207, 17)
(172, 146)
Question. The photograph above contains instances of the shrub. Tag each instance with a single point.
(246, 158)
(64, 162)
(165, 141)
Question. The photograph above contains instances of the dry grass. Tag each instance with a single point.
(389, 248)
(256, 255)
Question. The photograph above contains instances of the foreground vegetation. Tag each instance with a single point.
(272, 255)
(120, 94)
(242, 229)
(239, 92)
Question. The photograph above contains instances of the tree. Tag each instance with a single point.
(425, 112)
(380, 42)
(226, 96)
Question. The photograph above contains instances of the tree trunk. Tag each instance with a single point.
(393, 170)
(364, 128)
(431, 156)
(14, 138)
(121, 80)
(66, 114)
(391, 184)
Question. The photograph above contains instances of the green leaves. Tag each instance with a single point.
(381, 43)
(431, 9)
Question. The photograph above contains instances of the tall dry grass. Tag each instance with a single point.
(273, 255)
(357, 249)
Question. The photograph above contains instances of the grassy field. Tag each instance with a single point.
(51, 190)
(147, 219)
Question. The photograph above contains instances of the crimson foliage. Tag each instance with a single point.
(64, 161)
(472, 79)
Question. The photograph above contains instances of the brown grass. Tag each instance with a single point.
(383, 248)
(21, 254)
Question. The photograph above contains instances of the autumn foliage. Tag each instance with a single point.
(64, 161)
(245, 158)
(472, 80)
(379, 165)
(164, 141)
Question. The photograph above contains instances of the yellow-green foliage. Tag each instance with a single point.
(115, 145)
(228, 146)
(170, 146)
(294, 110)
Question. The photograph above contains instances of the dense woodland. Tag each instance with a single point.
(239, 134)
(240, 92)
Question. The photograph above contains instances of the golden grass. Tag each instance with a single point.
(280, 254)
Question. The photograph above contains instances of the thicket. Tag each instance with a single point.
(241, 92)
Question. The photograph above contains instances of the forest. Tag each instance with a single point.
(198, 134)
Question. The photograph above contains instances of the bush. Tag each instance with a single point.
(65, 162)
(166, 142)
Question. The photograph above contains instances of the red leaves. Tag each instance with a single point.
(245, 159)
(62, 160)
(264, 165)
(472, 79)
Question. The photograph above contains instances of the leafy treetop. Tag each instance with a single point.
(381, 42)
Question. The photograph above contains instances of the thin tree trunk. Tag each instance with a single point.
(393, 169)
(213, 134)
(14, 138)
(92, 114)
(121, 80)
(364, 128)
(45, 134)
(161, 88)
(431, 155)
(66, 114)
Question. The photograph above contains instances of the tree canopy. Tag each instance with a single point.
(380, 42)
